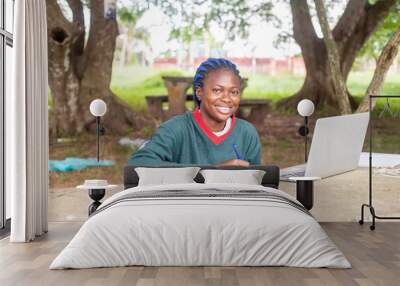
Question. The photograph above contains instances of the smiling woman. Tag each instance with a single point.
(211, 134)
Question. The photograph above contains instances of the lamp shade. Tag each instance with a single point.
(305, 107)
(98, 107)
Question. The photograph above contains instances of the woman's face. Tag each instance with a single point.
(220, 95)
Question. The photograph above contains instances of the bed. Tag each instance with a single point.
(201, 224)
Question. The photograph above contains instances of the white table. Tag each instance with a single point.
(96, 193)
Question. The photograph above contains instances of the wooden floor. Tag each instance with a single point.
(375, 257)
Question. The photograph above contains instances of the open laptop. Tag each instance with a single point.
(336, 147)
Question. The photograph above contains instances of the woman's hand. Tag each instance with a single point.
(234, 162)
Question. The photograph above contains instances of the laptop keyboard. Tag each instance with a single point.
(294, 171)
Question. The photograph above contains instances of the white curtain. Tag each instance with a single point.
(27, 123)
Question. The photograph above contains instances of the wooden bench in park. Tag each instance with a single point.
(253, 110)
(259, 109)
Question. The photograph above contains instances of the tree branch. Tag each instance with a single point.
(333, 59)
(77, 11)
(380, 8)
(376, 13)
(347, 23)
(303, 28)
(55, 17)
(385, 60)
(364, 26)
(304, 32)
(79, 20)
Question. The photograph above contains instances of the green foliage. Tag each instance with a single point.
(374, 46)
(236, 17)
(129, 15)
(187, 34)
(193, 18)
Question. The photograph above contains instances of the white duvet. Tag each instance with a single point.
(185, 231)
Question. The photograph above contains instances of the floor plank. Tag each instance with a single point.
(374, 255)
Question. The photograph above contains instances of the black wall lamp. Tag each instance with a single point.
(98, 108)
(305, 108)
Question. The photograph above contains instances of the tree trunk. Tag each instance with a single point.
(356, 24)
(318, 88)
(385, 60)
(78, 73)
(338, 83)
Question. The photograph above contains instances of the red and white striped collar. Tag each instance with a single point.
(210, 134)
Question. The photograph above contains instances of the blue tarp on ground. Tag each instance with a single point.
(74, 164)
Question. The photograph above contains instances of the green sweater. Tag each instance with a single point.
(183, 140)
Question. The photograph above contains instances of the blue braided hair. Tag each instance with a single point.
(212, 64)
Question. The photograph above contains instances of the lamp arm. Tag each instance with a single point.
(305, 138)
(98, 137)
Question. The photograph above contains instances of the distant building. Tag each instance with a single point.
(290, 65)
(165, 63)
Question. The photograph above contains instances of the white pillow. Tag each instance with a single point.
(248, 177)
(166, 176)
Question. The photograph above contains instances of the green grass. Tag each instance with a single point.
(133, 83)
(271, 87)
(358, 82)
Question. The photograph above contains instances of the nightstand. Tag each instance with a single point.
(96, 190)
(305, 190)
